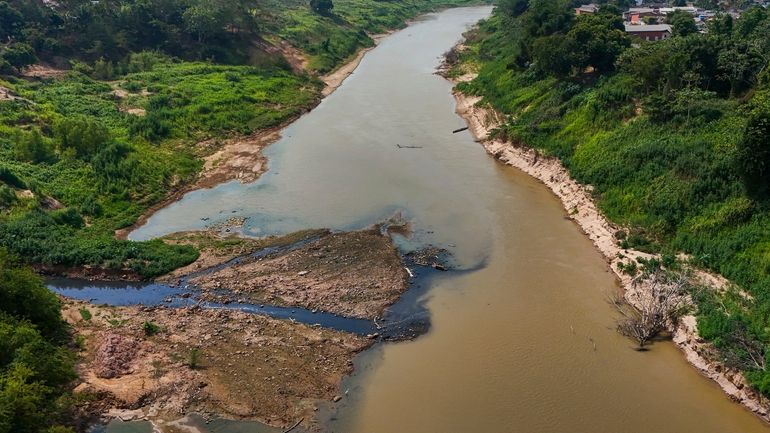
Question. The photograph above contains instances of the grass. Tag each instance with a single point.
(184, 103)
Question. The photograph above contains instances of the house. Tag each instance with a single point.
(692, 10)
(655, 14)
(649, 32)
(637, 14)
(587, 9)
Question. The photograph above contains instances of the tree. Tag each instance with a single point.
(35, 365)
(513, 8)
(81, 134)
(103, 70)
(546, 17)
(11, 21)
(19, 55)
(322, 7)
(204, 19)
(753, 156)
(721, 25)
(598, 40)
(659, 299)
(751, 20)
(682, 22)
(738, 64)
(553, 55)
(32, 147)
(23, 295)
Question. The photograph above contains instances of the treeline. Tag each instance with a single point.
(673, 135)
(36, 367)
(103, 34)
(112, 29)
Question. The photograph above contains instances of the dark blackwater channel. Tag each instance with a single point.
(526, 343)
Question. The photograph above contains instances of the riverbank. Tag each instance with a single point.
(160, 364)
(334, 79)
(582, 209)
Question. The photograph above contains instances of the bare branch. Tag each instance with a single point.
(656, 302)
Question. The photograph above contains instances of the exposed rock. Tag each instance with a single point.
(114, 356)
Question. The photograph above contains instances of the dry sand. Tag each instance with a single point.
(335, 78)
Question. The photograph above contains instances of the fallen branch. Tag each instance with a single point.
(294, 426)
(459, 130)
(659, 299)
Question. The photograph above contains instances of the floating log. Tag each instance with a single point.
(459, 130)
(408, 147)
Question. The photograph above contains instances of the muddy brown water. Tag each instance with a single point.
(524, 344)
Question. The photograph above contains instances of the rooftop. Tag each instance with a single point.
(636, 28)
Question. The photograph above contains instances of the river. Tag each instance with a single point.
(526, 343)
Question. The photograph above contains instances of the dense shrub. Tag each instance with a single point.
(82, 135)
(754, 153)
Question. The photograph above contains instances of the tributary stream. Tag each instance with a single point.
(526, 343)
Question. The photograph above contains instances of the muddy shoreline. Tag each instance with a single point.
(581, 209)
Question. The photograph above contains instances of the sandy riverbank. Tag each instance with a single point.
(581, 208)
(334, 79)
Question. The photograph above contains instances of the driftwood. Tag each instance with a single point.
(660, 302)
(408, 147)
(459, 130)
(296, 424)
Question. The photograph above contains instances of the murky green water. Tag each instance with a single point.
(526, 344)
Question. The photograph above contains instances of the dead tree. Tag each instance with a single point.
(655, 303)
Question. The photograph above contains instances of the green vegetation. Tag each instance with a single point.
(35, 365)
(329, 37)
(194, 358)
(673, 135)
(86, 154)
(107, 32)
(150, 329)
(85, 314)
